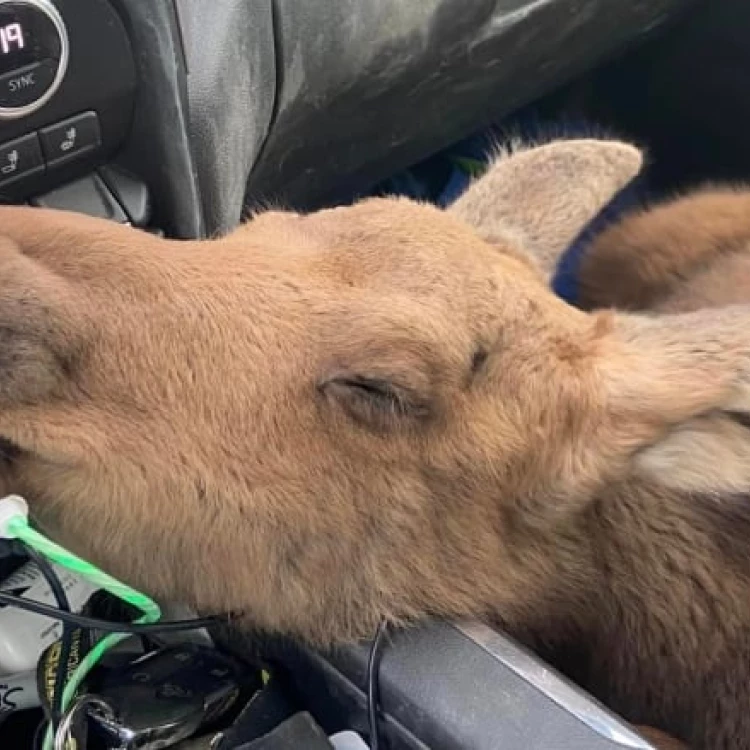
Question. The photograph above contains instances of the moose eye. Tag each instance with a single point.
(380, 403)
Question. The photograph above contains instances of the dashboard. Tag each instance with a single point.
(201, 109)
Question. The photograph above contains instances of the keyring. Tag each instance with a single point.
(84, 703)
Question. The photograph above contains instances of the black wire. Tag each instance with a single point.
(106, 626)
(66, 640)
(41, 730)
(373, 693)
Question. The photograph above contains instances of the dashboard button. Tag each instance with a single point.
(88, 195)
(131, 193)
(20, 158)
(70, 138)
(25, 85)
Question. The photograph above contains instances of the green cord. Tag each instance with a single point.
(18, 527)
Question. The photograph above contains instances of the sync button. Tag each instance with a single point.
(25, 85)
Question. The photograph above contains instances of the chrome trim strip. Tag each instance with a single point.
(554, 686)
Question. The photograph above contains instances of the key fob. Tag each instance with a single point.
(168, 695)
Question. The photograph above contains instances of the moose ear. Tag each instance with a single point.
(540, 198)
(709, 454)
(678, 396)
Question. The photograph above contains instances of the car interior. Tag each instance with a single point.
(182, 116)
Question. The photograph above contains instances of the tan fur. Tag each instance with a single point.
(687, 254)
(676, 542)
(371, 412)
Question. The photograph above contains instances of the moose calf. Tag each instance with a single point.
(378, 411)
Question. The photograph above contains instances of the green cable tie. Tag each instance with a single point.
(18, 527)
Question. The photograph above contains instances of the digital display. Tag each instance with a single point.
(27, 35)
(11, 38)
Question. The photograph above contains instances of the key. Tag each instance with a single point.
(72, 723)
(168, 695)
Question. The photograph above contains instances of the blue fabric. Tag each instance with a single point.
(457, 183)
(565, 279)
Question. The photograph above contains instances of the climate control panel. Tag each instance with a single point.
(67, 92)
(34, 50)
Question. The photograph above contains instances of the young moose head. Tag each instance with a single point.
(324, 420)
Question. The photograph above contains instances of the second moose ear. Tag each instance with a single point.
(677, 394)
(709, 454)
(540, 198)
